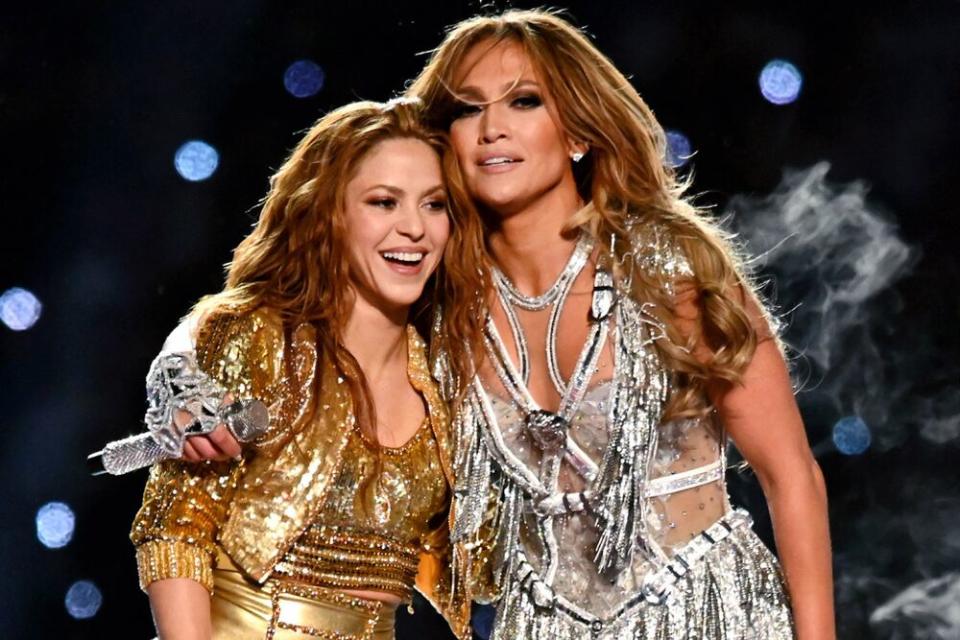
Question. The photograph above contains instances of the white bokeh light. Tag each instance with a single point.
(19, 309)
(55, 523)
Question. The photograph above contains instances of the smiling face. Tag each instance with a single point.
(505, 133)
(397, 224)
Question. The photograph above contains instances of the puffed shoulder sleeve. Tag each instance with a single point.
(244, 354)
(659, 255)
(184, 503)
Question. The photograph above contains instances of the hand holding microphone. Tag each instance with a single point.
(176, 384)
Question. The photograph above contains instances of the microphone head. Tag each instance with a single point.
(247, 419)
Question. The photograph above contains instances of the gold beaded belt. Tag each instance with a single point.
(342, 558)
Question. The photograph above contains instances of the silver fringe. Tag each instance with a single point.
(639, 397)
(736, 592)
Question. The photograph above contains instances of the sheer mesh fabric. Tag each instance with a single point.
(674, 519)
(678, 517)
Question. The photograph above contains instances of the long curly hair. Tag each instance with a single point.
(628, 187)
(295, 261)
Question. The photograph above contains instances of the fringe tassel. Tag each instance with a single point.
(623, 474)
(471, 494)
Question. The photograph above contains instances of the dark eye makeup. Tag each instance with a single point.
(463, 109)
(386, 203)
(440, 204)
(526, 100)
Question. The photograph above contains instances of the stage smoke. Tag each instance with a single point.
(871, 377)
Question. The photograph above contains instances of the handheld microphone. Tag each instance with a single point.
(175, 382)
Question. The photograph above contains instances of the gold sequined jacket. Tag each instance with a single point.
(255, 509)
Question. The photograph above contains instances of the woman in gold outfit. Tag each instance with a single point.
(326, 523)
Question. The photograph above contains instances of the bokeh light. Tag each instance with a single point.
(55, 522)
(851, 435)
(303, 78)
(83, 599)
(780, 82)
(679, 149)
(196, 160)
(19, 309)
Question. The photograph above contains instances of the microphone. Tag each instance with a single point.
(246, 419)
(175, 382)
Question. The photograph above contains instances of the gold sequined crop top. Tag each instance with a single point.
(373, 525)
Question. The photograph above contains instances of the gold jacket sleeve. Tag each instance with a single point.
(184, 504)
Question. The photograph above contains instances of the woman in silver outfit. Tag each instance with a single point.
(625, 348)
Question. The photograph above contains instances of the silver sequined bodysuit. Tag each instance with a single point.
(637, 539)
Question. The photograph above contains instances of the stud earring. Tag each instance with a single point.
(577, 156)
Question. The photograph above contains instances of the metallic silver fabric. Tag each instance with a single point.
(733, 592)
(176, 382)
(607, 544)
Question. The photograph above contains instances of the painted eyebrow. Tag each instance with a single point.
(397, 191)
(475, 93)
(438, 187)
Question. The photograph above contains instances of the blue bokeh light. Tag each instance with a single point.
(851, 435)
(780, 82)
(679, 149)
(55, 522)
(304, 78)
(83, 600)
(196, 160)
(19, 309)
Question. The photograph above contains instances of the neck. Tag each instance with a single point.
(377, 338)
(530, 245)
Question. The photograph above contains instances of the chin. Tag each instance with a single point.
(397, 299)
(500, 200)
(496, 193)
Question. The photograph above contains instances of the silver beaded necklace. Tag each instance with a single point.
(537, 303)
(549, 429)
(556, 295)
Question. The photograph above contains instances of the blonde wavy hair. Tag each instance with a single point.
(627, 185)
(295, 261)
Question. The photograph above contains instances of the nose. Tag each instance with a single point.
(410, 223)
(493, 125)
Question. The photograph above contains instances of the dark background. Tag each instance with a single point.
(96, 97)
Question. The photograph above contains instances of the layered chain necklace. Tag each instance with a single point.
(574, 265)
(548, 429)
(556, 295)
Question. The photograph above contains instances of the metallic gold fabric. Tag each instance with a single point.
(241, 609)
(257, 508)
(369, 532)
(346, 559)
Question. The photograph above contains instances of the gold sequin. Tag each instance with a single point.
(350, 545)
